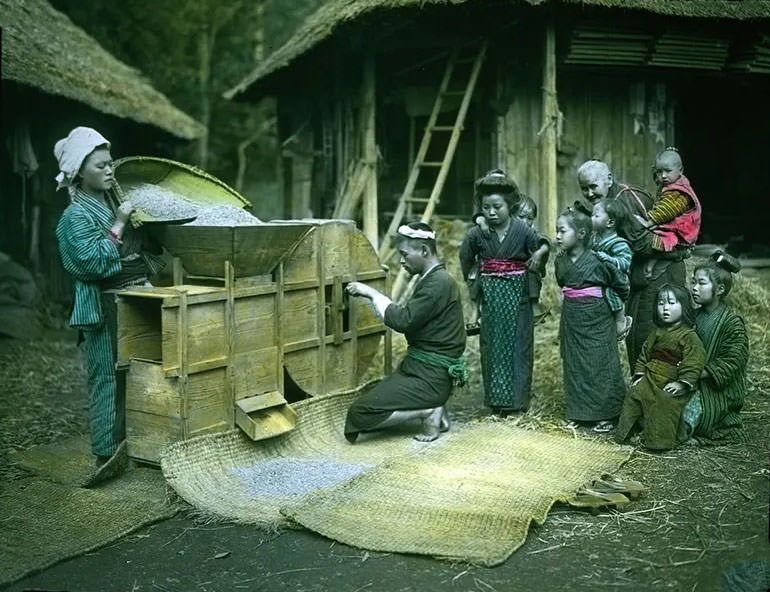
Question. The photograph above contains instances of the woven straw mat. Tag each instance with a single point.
(45, 522)
(471, 499)
(228, 476)
(470, 495)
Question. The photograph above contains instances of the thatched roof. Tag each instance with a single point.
(324, 22)
(42, 48)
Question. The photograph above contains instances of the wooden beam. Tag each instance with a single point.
(549, 196)
(368, 106)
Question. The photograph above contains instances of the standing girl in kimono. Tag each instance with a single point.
(593, 381)
(665, 373)
(102, 255)
(713, 413)
(506, 254)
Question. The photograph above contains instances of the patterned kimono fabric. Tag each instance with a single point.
(713, 413)
(89, 256)
(615, 251)
(507, 325)
(507, 334)
(594, 386)
(667, 355)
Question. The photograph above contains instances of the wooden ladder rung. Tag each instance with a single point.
(442, 128)
(417, 199)
(432, 163)
(453, 92)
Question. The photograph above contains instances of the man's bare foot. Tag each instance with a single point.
(431, 426)
(444, 425)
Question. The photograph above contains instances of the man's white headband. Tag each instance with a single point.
(409, 232)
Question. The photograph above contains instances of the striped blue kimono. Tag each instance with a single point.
(89, 256)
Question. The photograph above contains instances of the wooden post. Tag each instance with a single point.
(368, 108)
(549, 196)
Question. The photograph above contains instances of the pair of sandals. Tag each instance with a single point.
(607, 491)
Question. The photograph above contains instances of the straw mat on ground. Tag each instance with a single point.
(471, 498)
(228, 476)
(45, 522)
(68, 461)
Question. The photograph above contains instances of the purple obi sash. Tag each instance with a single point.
(594, 291)
(502, 266)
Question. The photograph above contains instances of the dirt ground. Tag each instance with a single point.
(704, 518)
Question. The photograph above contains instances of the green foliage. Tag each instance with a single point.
(193, 51)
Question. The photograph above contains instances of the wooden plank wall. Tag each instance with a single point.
(597, 123)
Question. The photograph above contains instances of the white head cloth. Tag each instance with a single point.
(409, 232)
(73, 150)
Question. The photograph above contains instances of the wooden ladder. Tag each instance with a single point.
(408, 200)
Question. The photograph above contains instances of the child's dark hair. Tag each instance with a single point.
(496, 182)
(615, 210)
(720, 269)
(578, 221)
(528, 202)
(682, 297)
(430, 243)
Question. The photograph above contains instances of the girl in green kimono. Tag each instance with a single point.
(507, 253)
(665, 373)
(102, 255)
(713, 413)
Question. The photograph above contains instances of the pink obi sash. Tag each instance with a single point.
(682, 230)
(594, 291)
(502, 266)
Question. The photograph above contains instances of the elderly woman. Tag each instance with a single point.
(103, 254)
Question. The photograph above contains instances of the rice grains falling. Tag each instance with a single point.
(286, 476)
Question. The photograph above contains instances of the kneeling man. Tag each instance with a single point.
(432, 322)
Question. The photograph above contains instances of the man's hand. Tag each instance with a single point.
(360, 289)
(676, 388)
(643, 221)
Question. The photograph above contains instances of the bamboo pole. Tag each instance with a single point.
(370, 228)
(549, 196)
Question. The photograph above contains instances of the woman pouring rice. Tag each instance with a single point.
(103, 255)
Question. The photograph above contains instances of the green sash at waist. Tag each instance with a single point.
(455, 366)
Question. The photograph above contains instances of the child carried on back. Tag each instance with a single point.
(607, 215)
(675, 217)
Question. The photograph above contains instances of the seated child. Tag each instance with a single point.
(674, 219)
(665, 373)
(607, 215)
(713, 413)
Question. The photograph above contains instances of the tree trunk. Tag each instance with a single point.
(205, 47)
